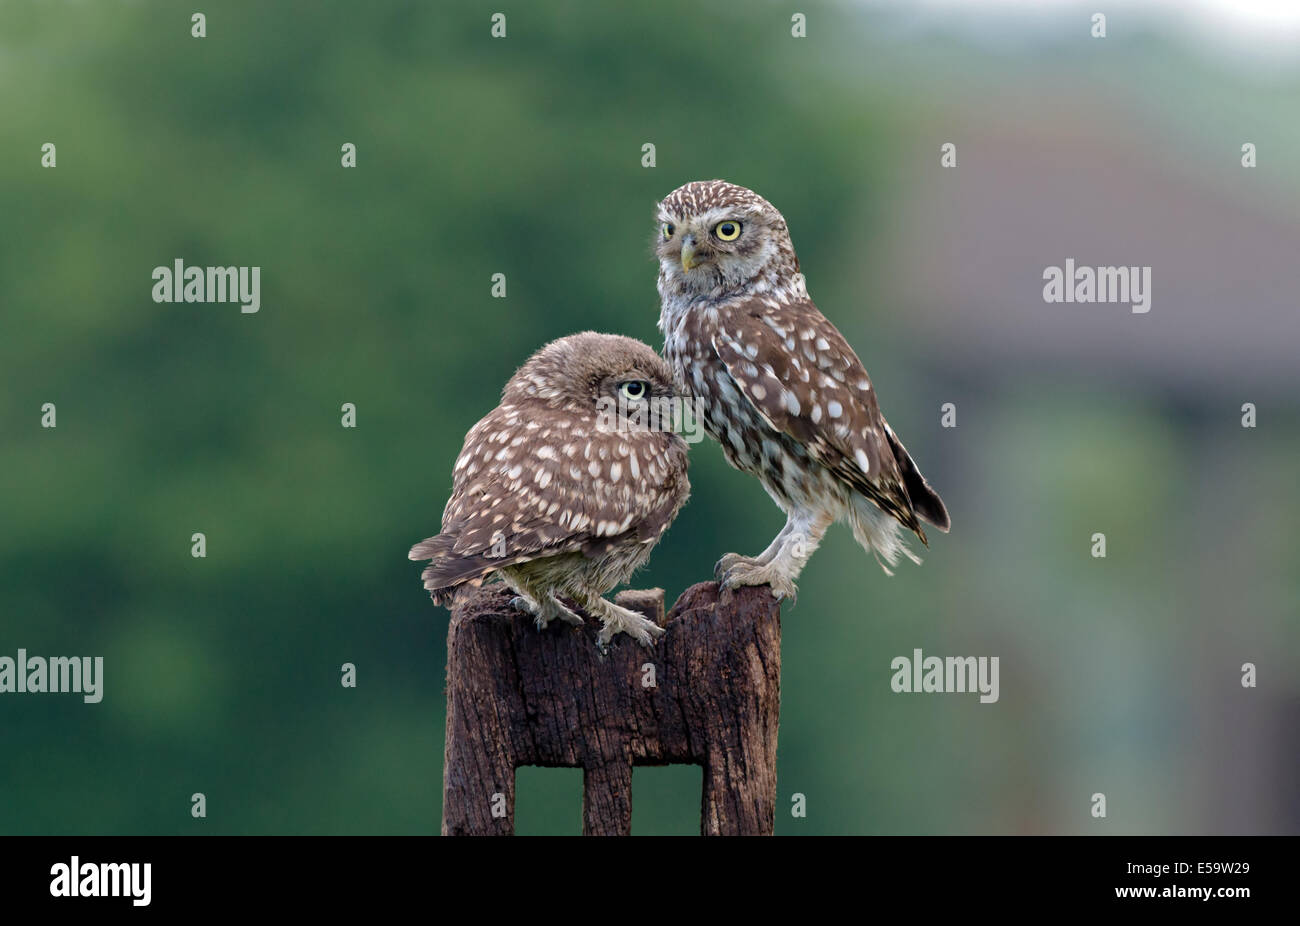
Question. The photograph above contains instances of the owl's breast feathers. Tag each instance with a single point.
(567, 487)
(786, 364)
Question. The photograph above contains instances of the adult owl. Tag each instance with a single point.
(562, 490)
(779, 387)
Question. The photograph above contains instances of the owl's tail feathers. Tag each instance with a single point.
(925, 501)
(448, 570)
(879, 533)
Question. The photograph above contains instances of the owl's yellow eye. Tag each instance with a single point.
(636, 389)
(727, 231)
(668, 230)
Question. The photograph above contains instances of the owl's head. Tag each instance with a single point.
(716, 238)
(584, 372)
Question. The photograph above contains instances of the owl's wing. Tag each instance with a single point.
(525, 492)
(804, 379)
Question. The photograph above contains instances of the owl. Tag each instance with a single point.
(562, 490)
(778, 386)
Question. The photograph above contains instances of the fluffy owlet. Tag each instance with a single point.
(564, 488)
(779, 387)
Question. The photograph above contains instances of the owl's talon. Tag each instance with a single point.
(729, 561)
(524, 604)
(743, 574)
(620, 620)
(650, 634)
(543, 614)
(569, 617)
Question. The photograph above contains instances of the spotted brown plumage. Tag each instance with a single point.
(781, 389)
(558, 495)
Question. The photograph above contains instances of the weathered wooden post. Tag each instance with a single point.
(707, 694)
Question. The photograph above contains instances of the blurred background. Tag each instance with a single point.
(523, 156)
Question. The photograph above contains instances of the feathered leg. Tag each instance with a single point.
(794, 546)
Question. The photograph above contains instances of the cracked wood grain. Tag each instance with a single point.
(519, 697)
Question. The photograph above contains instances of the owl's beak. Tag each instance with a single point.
(688, 254)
